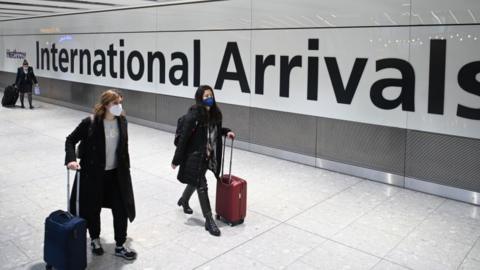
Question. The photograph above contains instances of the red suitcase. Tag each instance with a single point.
(231, 201)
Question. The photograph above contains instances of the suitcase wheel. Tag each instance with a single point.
(48, 267)
(217, 217)
(236, 223)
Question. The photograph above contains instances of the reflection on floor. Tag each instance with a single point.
(298, 217)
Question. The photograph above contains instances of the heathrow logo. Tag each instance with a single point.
(14, 54)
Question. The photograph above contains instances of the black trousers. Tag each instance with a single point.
(111, 193)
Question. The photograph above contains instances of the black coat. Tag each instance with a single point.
(191, 149)
(24, 82)
(91, 135)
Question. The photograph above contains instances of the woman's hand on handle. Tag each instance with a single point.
(231, 135)
(73, 165)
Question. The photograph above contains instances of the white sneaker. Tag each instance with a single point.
(125, 253)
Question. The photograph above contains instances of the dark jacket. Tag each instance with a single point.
(24, 82)
(191, 150)
(91, 135)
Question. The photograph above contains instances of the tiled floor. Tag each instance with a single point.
(298, 217)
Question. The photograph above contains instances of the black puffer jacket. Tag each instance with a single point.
(24, 82)
(191, 149)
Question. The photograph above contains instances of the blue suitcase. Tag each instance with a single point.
(65, 245)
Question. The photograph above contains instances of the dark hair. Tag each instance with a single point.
(25, 62)
(215, 113)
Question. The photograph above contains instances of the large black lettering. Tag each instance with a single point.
(312, 77)
(73, 53)
(260, 66)
(85, 54)
(196, 63)
(161, 69)
(406, 83)
(53, 51)
(111, 56)
(183, 68)
(344, 94)
(63, 59)
(38, 54)
(232, 51)
(436, 81)
(468, 82)
(141, 65)
(45, 53)
(286, 66)
(122, 59)
(99, 64)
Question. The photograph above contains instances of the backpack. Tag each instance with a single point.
(178, 131)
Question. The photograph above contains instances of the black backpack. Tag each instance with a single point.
(178, 131)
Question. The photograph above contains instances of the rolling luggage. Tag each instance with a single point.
(65, 245)
(10, 96)
(231, 200)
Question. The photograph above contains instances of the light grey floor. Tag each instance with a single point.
(298, 217)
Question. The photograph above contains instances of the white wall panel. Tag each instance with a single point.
(143, 19)
(232, 14)
(445, 11)
(172, 29)
(212, 46)
(314, 13)
(235, 14)
(3, 51)
(23, 44)
(462, 43)
(370, 43)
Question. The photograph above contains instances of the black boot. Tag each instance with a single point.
(183, 201)
(210, 225)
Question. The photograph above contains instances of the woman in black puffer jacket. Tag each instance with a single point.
(199, 149)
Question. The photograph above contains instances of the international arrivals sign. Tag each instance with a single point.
(430, 84)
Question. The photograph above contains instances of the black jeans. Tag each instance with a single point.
(111, 193)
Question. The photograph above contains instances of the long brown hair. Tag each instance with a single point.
(108, 96)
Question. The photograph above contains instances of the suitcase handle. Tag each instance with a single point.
(77, 204)
(60, 213)
(223, 159)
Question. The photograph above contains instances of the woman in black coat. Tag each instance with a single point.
(105, 179)
(199, 149)
(24, 82)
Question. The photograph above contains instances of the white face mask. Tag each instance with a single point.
(116, 109)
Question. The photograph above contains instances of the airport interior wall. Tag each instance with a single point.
(431, 147)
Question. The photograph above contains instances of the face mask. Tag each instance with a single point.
(208, 101)
(25, 68)
(116, 109)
